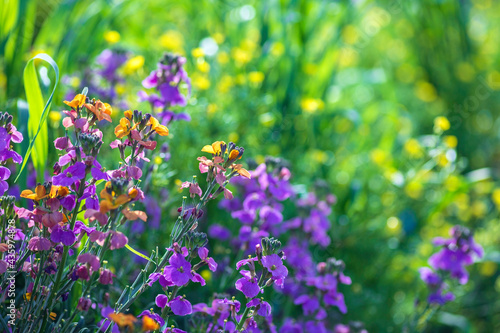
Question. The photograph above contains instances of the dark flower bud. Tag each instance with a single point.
(84, 304)
(270, 245)
(57, 169)
(106, 276)
(65, 296)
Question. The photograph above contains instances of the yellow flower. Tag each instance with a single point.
(277, 49)
(206, 274)
(55, 116)
(133, 64)
(157, 127)
(495, 196)
(201, 82)
(112, 36)
(222, 57)
(425, 91)
(203, 66)
(241, 56)
(441, 124)
(172, 40)
(77, 101)
(53, 315)
(414, 189)
(311, 105)
(413, 148)
(256, 77)
(123, 129)
(211, 108)
(451, 141)
(197, 52)
(214, 148)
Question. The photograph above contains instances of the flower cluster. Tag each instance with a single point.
(449, 263)
(167, 80)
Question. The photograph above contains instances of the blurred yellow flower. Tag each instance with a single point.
(441, 124)
(256, 77)
(425, 91)
(197, 52)
(478, 209)
(452, 183)
(75, 82)
(241, 56)
(450, 141)
(379, 156)
(120, 89)
(393, 224)
(112, 36)
(222, 57)
(219, 38)
(211, 109)
(225, 83)
(414, 189)
(133, 64)
(311, 105)
(203, 66)
(495, 196)
(55, 116)
(240, 79)
(488, 268)
(413, 148)
(200, 81)
(172, 40)
(206, 274)
(442, 160)
(277, 49)
(158, 160)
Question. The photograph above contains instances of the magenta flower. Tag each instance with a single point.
(335, 299)
(264, 309)
(92, 260)
(179, 270)
(71, 175)
(106, 277)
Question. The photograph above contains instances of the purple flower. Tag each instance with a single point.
(203, 254)
(179, 270)
(92, 260)
(39, 244)
(69, 176)
(106, 277)
(4, 175)
(219, 232)
(335, 299)
(63, 235)
(440, 297)
(180, 306)
(98, 172)
(309, 303)
(248, 285)
(275, 266)
(161, 301)
(264, 309)
(153, 315)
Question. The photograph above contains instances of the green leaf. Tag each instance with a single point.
(138, 253)
(37, 127)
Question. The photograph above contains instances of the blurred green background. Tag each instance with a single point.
(346, 91)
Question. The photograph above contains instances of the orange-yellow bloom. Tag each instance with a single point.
(149, 324)
(214, 149)
(241, 171)
(123, 129)
(101, 110)
(157, 127)
(41, 192)
(123, 320)
(77, 101)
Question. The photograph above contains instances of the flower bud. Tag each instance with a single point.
(84, 304)
(106, 276)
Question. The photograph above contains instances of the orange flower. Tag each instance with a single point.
(111, 201)
(214, 149)
(101, 110)
(241, 171)
(124, 128)
(157, 127)
(77, 101)
(123, 320)
(148, 324)
(41, 192)
(233, 155)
